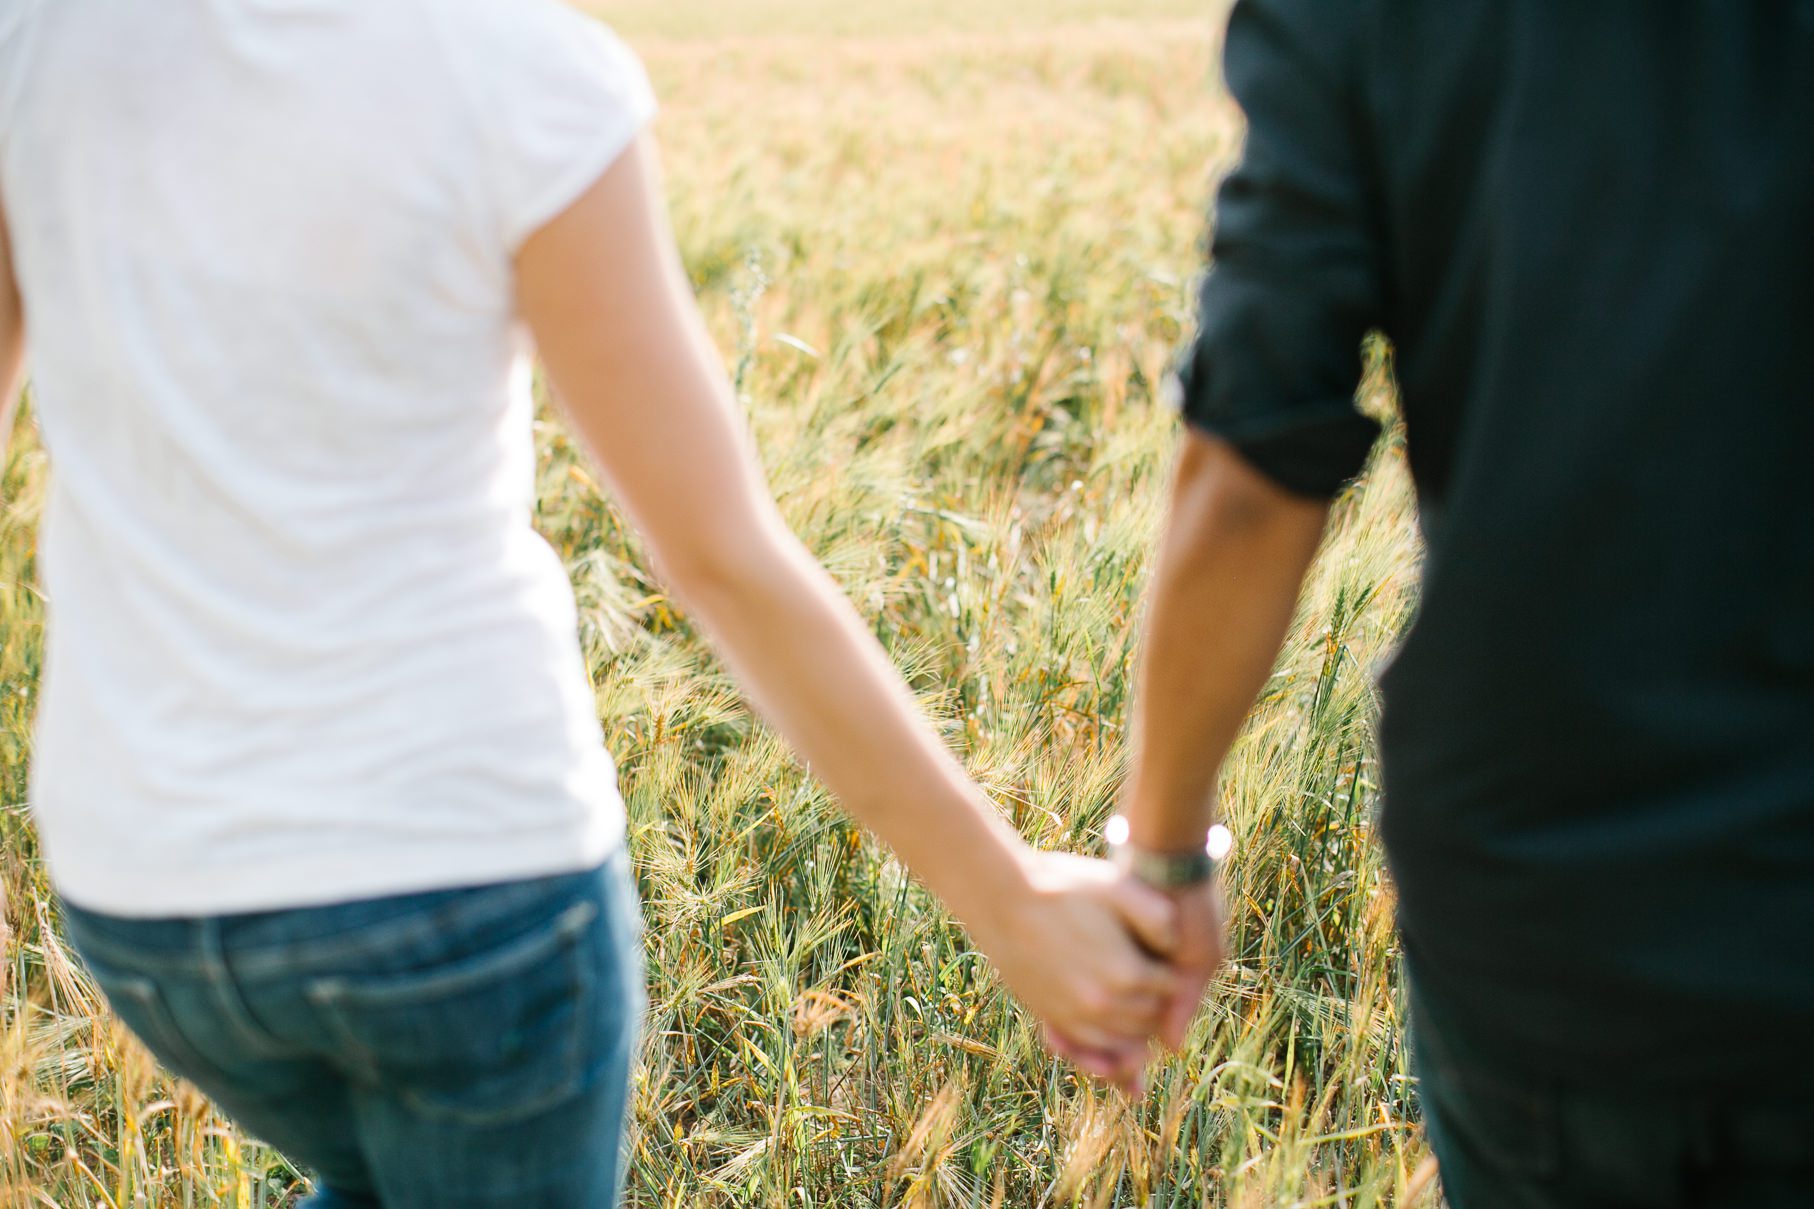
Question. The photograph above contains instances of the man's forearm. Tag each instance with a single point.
(1230, 568)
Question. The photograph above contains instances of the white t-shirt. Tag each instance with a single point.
(305, 645)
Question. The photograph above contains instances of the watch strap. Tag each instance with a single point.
(1168, 870)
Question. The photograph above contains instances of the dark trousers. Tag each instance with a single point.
(1506, 1142)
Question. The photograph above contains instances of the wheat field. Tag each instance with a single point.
(947, 250)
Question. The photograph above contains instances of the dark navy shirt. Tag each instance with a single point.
(1587, 229)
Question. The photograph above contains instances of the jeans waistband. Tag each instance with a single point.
(300, 940)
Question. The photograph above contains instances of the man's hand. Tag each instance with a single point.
(1202, 947)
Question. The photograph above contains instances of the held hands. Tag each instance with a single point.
(1106, 962)
(1193, 961)
(1082, 945)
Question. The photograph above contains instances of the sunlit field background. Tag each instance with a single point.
(947, 248)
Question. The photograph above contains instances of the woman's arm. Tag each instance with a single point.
(604, 292)
(12, 339)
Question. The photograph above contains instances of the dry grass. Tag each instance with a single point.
(948, 249)
(742, 20)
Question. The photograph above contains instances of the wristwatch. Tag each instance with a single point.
(1168, 870)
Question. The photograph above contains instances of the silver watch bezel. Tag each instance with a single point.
(1168, 870)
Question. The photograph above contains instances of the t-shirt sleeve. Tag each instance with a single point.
(1294, 283)
(562, 98)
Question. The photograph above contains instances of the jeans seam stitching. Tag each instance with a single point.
(358, 941)
(131, 960)
(567, 924)
(149, 995)
(229, 1000)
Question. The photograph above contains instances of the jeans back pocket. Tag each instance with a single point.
(480, 1039)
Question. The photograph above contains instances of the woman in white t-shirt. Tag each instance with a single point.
(318, 772)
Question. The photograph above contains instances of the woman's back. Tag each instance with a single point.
(305, 643)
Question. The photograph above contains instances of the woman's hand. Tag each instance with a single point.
(1084, 947)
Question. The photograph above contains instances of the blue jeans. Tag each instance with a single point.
(461, 1049)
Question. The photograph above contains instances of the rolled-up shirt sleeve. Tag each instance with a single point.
(1294, 283)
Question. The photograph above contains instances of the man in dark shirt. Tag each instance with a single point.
(1587, 228)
